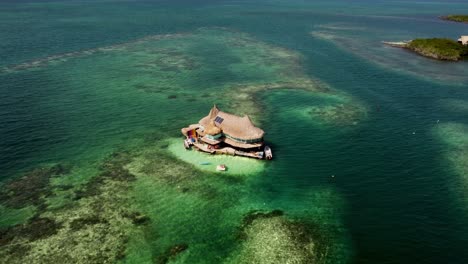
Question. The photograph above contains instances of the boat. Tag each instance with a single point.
(221, 167)
(205, 163)
(268, 153)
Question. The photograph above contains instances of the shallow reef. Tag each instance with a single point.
(92, 229)
(227, 66)
(269, 237)
(144, 203)
(339, 114)
(14, 216)
(64, 57)
(345, 110)
(350, 38)
(454, 105)
(171, 253)
(36, 228)
(236, 166)
(185, 204)
(112, 168)
(256, 214)
(31, 187)
(454, 136)
(320, 110)
(454, 155)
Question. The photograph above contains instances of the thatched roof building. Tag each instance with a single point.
(235, 126)
(219, 126)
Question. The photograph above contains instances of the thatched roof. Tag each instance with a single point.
(187, 129)
(212, 129)
(234, 126)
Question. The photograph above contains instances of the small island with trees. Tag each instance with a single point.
(436, 48)
(456, 18)
(439, 48)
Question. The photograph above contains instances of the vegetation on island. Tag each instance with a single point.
(456, 18)
(439, 48)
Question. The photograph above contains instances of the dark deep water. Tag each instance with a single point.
(402, 200)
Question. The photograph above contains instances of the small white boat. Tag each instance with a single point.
(268, 153)
(221, 167)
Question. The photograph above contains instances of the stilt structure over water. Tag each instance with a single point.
(224, 133)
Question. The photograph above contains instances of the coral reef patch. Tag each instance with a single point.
(270, 237)
(171, 253)
(92, 229)
(454, 137)
(144, 203)
(30, 188)
(235, 72)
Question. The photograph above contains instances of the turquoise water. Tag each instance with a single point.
(379, 163)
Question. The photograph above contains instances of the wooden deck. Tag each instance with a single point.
(228, 151)
(203, 147)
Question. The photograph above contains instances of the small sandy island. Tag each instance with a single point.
(435, 48)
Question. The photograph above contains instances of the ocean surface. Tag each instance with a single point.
(370, 141)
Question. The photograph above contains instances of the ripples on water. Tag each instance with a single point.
(391, 183)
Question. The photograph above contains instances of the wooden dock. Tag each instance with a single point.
(227, 151)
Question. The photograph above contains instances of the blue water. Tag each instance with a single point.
(403, 202)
